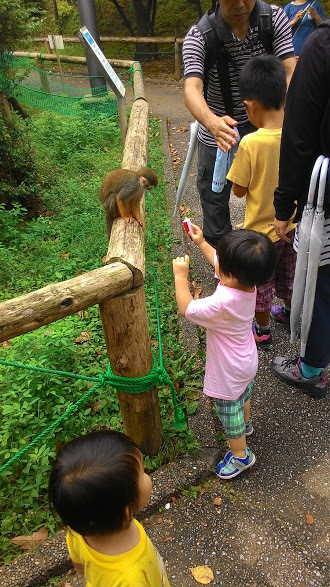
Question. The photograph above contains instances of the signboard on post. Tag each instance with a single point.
(114, 81)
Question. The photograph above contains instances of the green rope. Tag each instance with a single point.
(132, 385)
(179, 417)
(48, 371)
(44, 433)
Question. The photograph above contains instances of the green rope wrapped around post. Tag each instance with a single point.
(126, 384)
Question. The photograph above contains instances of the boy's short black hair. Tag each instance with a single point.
(263, 79)
(94, 482)
(247, 255)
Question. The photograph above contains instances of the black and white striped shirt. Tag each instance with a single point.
(194, 51)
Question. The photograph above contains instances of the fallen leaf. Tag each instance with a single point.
(202, 574)
(155, 343)
(167, 539)
(83, 338)
(160, 521)
(96, 407)
(217, 501)
(81, 313)
(104, 259)
(309, 519)
(98, 352)
(181, 208)
(183, 128)
(32, 541)
(64, 255)
(5, 344)
(56, 240)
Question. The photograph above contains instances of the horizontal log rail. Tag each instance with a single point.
(58, 300)
(69, 58)
(105, 39)
(176, 41)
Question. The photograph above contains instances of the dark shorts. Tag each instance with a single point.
(281, 282)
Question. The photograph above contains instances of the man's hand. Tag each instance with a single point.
(219, 126)
(280, 227)
(181, 266)
(224, 134)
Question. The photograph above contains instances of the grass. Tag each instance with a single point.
(69, 238)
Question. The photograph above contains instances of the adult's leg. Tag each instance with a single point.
(215, 206)
(318, 343)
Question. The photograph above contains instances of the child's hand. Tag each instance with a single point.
(181, 266)
(196, 235)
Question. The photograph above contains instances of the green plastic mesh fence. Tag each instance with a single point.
(66, 94)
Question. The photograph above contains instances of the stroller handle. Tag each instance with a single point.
(312, 185)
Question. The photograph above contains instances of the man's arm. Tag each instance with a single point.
(219, 126)
(289, 66)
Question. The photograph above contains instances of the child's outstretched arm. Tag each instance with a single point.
(198, 238)
(182, 291)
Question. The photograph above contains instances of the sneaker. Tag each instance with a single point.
(281, 315)
(235, 466)
(249, 428)
(263, 341)
(224, 461)
(289, 371)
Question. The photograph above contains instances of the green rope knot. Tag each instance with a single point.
(140, 384)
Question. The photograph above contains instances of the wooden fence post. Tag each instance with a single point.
(177, 60)
(125, 326)
(124, 318)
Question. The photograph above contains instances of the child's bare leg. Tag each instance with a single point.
(263, 318)
(247, 411)
(238, 446)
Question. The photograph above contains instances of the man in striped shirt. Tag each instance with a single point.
(237, 25)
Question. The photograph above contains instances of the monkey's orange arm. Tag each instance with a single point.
(124, 210)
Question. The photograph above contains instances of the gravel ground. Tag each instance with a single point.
(270, 527)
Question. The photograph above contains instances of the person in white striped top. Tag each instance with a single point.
(218, 105)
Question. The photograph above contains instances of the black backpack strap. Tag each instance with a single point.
(265, 26)
(216, 53)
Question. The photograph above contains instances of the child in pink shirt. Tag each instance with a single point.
(243, 260)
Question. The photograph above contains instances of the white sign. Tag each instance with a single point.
(55, 41)
(114, 80)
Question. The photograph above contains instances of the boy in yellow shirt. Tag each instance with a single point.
(97, 485)
(254, 173)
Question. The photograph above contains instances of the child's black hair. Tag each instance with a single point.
(263, 79)
(247, 255)
(94, 482)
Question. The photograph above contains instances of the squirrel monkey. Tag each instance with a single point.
(122, 191)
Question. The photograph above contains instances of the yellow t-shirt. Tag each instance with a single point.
(142, 566)
(255, 167)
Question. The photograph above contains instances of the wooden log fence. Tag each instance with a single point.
(176, 42)
(118, 289)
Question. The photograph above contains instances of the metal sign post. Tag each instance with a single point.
(114, 81)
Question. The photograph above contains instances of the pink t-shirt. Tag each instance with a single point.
(231, 352)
